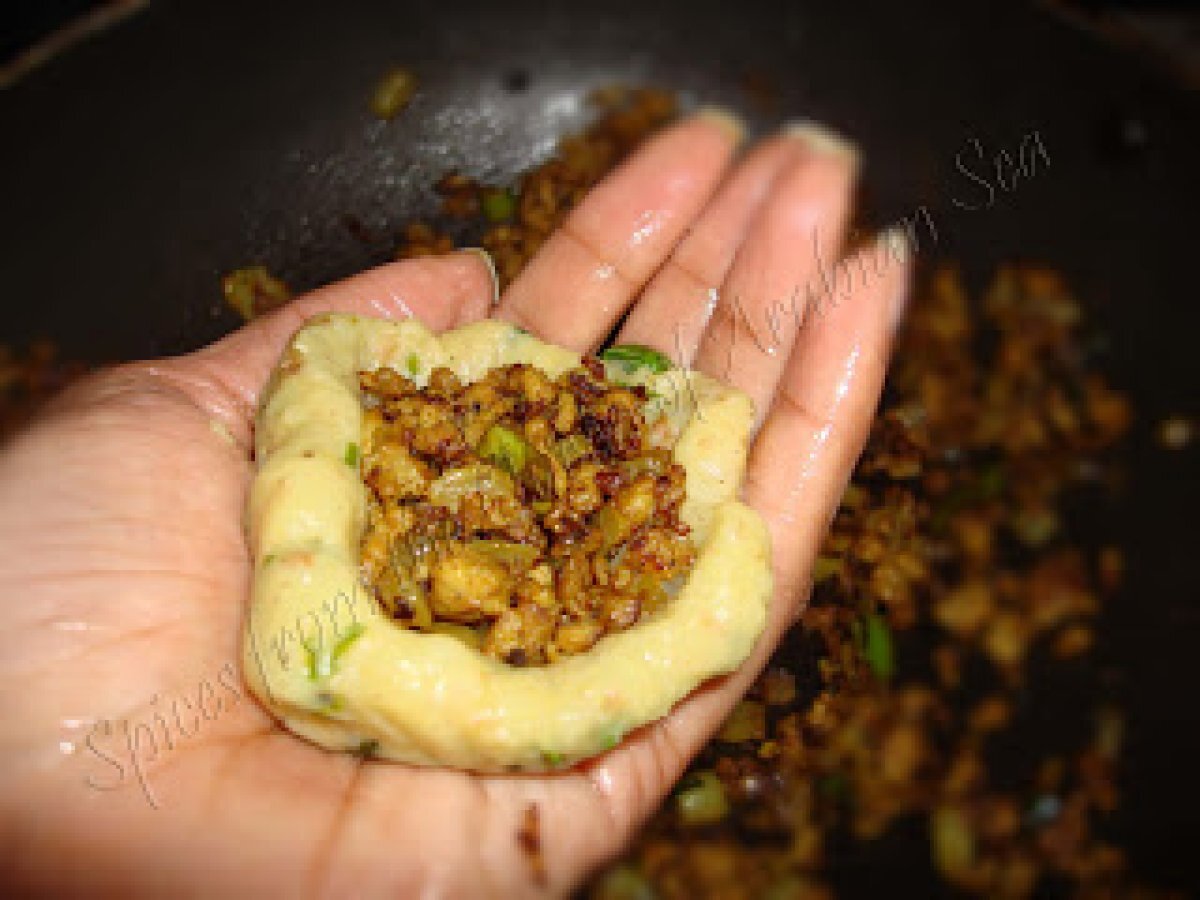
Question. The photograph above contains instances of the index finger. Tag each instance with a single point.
(579, 284)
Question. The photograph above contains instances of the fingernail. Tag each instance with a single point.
(822, 139)
(491, 265)
(725, 119)
(895, 243)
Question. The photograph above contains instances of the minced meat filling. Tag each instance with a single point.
(527, 516)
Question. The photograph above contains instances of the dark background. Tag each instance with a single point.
(194, 138)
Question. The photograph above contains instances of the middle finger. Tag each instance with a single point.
(790, 251)
(578, 285)
(674, 308)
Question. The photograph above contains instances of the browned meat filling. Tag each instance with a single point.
(527, 516)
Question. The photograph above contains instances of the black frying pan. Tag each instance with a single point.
(198, 137)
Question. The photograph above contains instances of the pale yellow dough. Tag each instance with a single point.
(320, 655)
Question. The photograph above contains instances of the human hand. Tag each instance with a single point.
(135, 762)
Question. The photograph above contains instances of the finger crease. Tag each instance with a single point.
(628, 281)
(703, 284)
(514, 315)
(321, 874)
(214, 396)
(797, 407)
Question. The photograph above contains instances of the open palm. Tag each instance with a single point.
(134, 761)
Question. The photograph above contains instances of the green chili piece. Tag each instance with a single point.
(352, 454)
(312, 661)
(498, 204)
(637, 356)
(320, 658)
(552, 758)
(505, 448)
(353, 633)
(702, 800)
(413, 364)
(877, 646)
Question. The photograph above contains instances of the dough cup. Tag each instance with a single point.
(323, 658)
